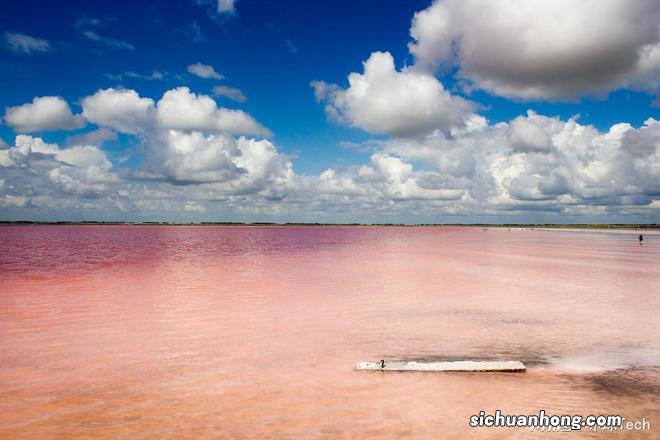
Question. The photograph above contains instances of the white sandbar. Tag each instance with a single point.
(510, 366)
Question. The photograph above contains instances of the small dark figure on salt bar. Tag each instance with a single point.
(641, 238)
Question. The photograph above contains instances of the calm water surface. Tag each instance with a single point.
(253, 332)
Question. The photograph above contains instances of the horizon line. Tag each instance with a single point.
(230, 223)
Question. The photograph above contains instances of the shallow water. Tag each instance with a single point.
(253, 332)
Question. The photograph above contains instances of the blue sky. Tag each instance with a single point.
(249, 49)
(329, 144)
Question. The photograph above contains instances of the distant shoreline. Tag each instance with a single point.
(572, 227)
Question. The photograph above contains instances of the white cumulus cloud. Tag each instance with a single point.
(542, 49)
(121, 109)
(43, 113)
(399, 103)
(532, 167)
(189, 140)
(181, 109)
(231, 165)
(37, 169)
(125, 111)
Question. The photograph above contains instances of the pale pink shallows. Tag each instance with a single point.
(253, 332)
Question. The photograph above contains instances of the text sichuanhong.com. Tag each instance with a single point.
(546, 422)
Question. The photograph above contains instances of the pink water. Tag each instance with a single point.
(253, 332)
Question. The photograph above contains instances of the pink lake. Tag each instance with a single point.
(143, 332)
